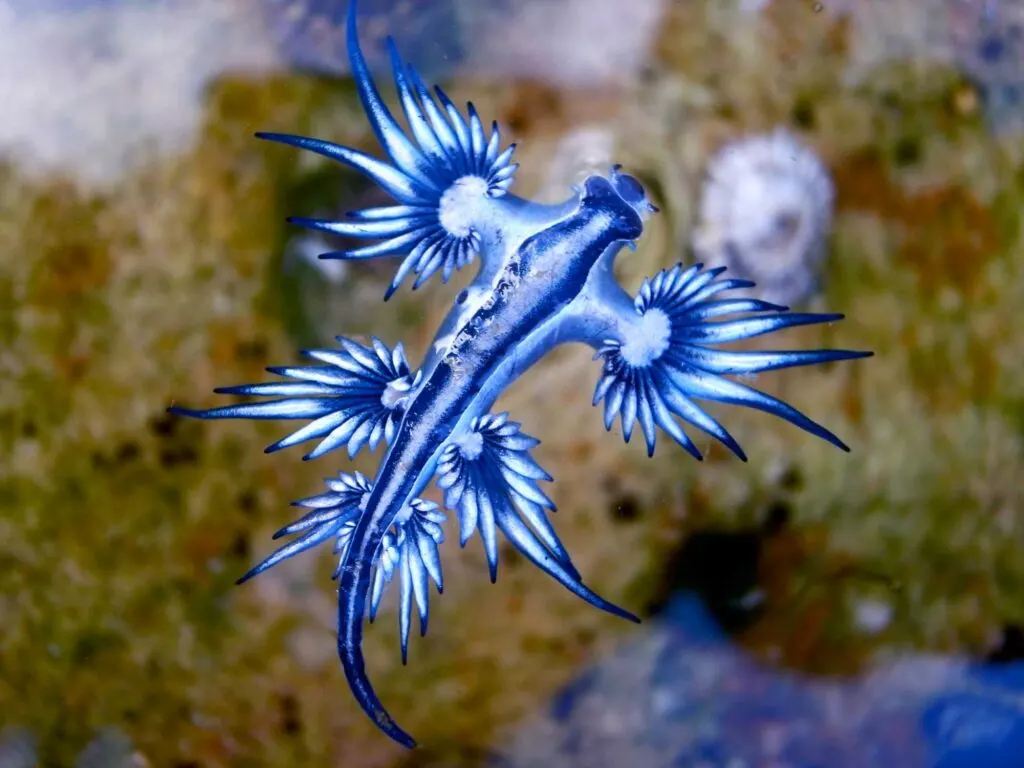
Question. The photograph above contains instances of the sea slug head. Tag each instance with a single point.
(632, 192)
(623, 197)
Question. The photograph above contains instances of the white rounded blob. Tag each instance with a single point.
(872, 616)
(765, 213)
(394, 393)
(470, 445)
(647, 341)
(403, 516)
(461, 205)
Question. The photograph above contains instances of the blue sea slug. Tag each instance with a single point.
(544, 279)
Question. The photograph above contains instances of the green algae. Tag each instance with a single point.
(123, 530)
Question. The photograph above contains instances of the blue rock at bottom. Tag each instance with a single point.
(681, 694)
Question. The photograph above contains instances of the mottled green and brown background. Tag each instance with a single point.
(122, 530)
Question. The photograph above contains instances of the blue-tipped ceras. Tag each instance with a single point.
(545, 278)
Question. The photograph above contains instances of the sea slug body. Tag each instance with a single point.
(544, 279)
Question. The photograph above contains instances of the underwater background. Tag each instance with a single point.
(808, 608)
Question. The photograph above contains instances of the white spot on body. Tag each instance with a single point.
(394, 393)
(470, 445)
(648, 340)
(403, 516)
(444, 343)
(461, 205)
